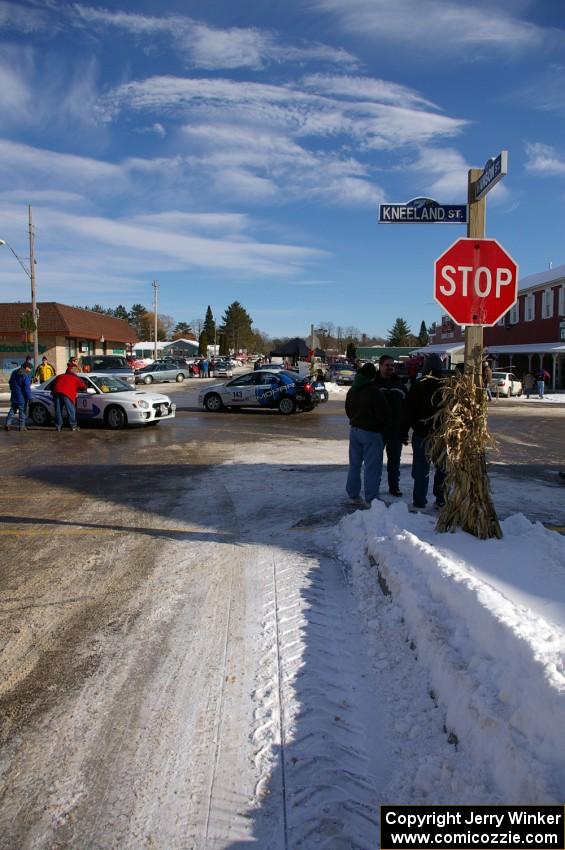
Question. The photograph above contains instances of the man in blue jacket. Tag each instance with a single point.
(20, 394)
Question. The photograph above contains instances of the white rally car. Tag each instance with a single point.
(107, 399)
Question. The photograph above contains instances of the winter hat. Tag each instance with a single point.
(368, 370)
(365, 376)
(432, 363)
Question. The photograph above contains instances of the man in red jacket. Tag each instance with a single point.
(64, 390)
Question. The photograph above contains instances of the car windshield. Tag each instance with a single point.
(105, 362)
(110, 384)
(339, 366)
(499, 375)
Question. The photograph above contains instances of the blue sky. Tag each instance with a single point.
(238, 150)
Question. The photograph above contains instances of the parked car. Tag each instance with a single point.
(342, 373)
(272, 367)
(221, 369)
(179, 362)
(280, 389)
(505, 384)
(161, 371)
(320, 389)
(107, 399)
(108, 364)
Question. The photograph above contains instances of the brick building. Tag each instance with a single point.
(63, 331)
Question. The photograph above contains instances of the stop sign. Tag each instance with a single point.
(476, 281)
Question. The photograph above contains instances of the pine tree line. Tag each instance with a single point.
(235, 330)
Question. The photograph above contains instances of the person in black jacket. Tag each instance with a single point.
(369, 415)
(424, 399)
(394, 391)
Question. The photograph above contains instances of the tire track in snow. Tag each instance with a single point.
(315, 782)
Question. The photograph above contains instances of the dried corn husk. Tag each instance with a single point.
(459, 440)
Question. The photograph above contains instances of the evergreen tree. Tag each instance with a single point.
(236, 325)
(209, 327)
(400, 334)
(224, 347)
(351, 352)
(182, 330)
(138, 319)
(423, 335)
(203, 343)
(121, 313)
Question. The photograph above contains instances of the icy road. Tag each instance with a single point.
(187, 664)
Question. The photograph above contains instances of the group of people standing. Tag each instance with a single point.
(381, 413)
(64, 390)
(535, 382)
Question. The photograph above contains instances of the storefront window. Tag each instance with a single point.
(72, 348)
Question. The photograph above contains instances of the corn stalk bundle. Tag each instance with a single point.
(458, 442)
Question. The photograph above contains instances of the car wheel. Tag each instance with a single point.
(39, 415)
(148, 379)
(180, 378)
(115, 418)
(213, 402)
(287, 406)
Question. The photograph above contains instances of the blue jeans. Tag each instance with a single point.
(541, 388)
(19, 410)
(393, 445)
(421, 474)
(365, 450)
(61, 400)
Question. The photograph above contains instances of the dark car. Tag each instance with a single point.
(109, 364)
(282, 390)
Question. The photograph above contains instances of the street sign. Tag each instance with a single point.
(493, 171)
(422, 211)
(476, 281)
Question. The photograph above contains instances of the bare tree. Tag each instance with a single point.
(197, 325)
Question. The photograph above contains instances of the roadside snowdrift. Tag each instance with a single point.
(488, 620)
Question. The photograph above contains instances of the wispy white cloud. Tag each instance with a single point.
(156, 129)
(287, 108)
(203, 46)
(445, 176)
(179, 222)
(230, 154)
(545, 159)
(27, 19)
(441, 26)
(61, 171)
(366, 88)
(43, 196)
(94, 253)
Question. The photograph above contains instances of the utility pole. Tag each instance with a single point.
(34, 310)
(475, 230)
(155, 286)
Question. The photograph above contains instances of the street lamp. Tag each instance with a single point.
(31, 274)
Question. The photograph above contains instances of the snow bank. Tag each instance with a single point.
(488, 621)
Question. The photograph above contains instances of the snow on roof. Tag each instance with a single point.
(440, 348)
(529, 348)
(549, 276)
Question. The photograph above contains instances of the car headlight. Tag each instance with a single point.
(144, 405)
